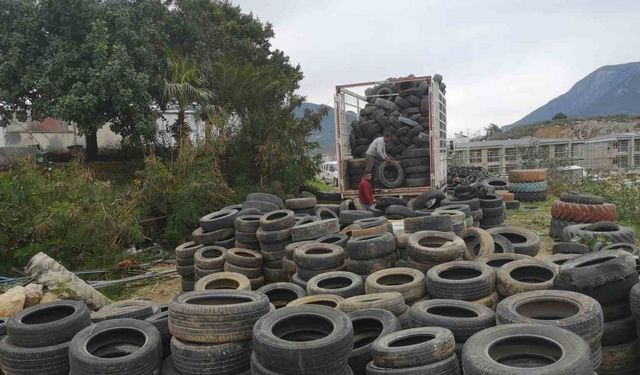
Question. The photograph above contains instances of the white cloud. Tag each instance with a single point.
(500, 59)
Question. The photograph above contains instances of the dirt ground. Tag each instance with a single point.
(533, 216)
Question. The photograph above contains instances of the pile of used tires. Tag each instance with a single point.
(356, 295)
(528, 185)
(574, 209)
(401, 109)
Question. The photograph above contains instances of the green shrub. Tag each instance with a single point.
(64, 212)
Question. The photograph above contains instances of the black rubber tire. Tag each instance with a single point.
(479, 243)
(187, 250)
(512, 205)
(134, 309)
(247, 223)
(606, 276)
(398, 212)
(210, 257)
(418, 153)
(278, 350)
(260, 205)
(556, 227)
(371, 247)
(413, 347)
(560, 259)
(622, 235)
(537, 196)
(273, 236)
(340, 283)
(462, 318)
(137, 345)
(415, 182)
(574, 312)
(369, 326)
(634, 300)
(479, 352)
(570, 248)
(524, 241)
(209, 323)
(60, 320)
(318, 256)
(198, 358)
(502, 245)
(161, 322)
(338, 239)
(572, 197)
(491, 201)
(250, 272)
(622, 359)
(218, 220)
(369, 266)
(314, 230)
(394, 182)
(325, 213)
(277, 220)
(200, 237)
(461, 280)
(384, 202)
(349, 216)
(428, 200)
(435, 247)
(428, 222)
(408, 282)
(617, 332)
(46, 360)
(266, 197)
(473, 203)
(448, 366)
(488, 213)
(523, 276)
(281, 293)
(390, 301)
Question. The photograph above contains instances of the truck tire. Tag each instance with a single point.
(572, 197)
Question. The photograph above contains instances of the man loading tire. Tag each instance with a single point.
(377, 152)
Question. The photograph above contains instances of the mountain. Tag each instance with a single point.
(326, 136)
(610, 90)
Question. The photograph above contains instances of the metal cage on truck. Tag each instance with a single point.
(348, 104)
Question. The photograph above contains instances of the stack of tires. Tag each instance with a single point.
(369, 325)
(427, 249)
(574, 208)
(217, 228)
(38, 338)
(528, 185)
(314, 259)
(402, 110)
(462, 318)
(371, 253)
(246, 227)
(501, 188)
(458, 218)
(572, 311)
(516, 349)
(185, 264)
(463, 280)
(245, 262)
(415, 163)
(608, 276)
(212, 330)
(274, 235)
(394, 208)
(422, 350)
(493, 211)
(302, 206)
(635, 306)
(209, 260)
(473, 204)
(302, 340)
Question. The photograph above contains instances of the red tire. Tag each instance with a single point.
(583, 213)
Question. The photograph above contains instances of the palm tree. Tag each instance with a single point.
(183, 88)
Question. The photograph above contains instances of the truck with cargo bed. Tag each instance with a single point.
(414, 111)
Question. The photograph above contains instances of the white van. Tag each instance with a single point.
(329, 172)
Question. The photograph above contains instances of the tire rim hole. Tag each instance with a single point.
(211, 254)
(366, 331)
(497, 263)
(432, 241)
(460, 273)
(318, 251)
(531, 274)
(222, 284)
(281, 297)
(217, 300)
(452, 311)
(411, 340)
(244, 254)
(514, 237)
(398, 279)
(338, 282)
(47, 315)
(276, 216)
(548, 309)
(116, 343)
(525, 352)
(303, 328)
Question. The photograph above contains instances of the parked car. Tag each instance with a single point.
(329, 172)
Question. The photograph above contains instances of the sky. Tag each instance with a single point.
(500, 59)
